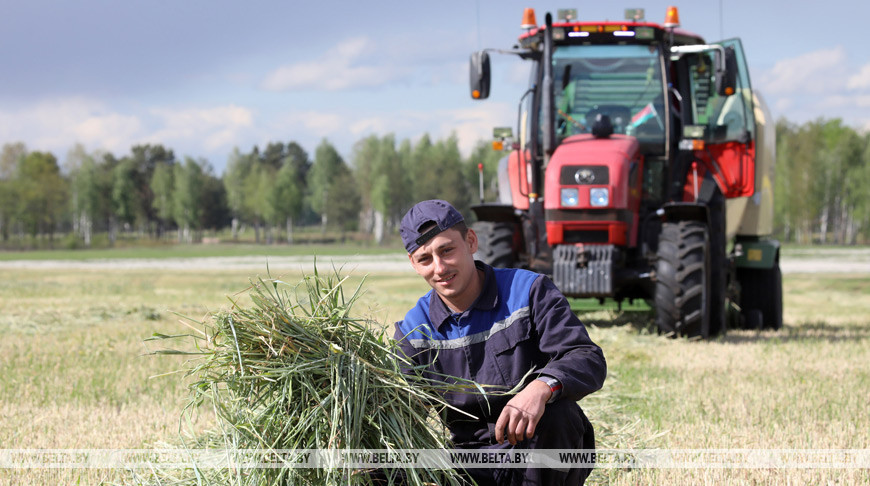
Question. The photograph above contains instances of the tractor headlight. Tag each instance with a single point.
(599, 197)
(570, 197)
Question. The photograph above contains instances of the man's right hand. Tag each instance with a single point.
(522, 413)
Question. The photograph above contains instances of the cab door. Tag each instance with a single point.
(731, 130)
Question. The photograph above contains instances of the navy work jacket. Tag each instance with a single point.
(519, 323)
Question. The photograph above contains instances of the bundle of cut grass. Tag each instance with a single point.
(296, 371)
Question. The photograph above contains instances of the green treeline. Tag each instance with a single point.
(822, 189)
(97, 197)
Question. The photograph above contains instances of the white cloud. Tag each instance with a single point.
(340, 68)
(816, 84)
(861, 80)
(815, 72)
(212, 128)
(318, 124)
(783, 105)
(56, 125)
(472, 125)
(343, 129)
(378, 125)
(847, 101)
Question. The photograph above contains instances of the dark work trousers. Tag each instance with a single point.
(563, 426)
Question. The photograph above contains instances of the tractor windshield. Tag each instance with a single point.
(621, 81)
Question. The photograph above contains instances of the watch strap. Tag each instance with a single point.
(555, 387)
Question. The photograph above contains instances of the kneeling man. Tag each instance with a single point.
(494, 326)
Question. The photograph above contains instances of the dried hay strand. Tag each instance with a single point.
(296, 371)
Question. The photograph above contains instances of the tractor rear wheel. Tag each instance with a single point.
(683, 295)
(495, 243)
(761, 293)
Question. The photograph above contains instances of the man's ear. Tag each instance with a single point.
(471, 239)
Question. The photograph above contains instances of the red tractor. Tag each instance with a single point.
(642, 169)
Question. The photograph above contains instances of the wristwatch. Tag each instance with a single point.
(555, 387)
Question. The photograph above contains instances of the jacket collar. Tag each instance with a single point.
(487, 300)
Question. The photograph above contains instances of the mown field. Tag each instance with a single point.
(75, 370)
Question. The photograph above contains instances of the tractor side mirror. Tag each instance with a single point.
(726, 76)
(479, 75)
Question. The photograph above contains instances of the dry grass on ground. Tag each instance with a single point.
(73, 373)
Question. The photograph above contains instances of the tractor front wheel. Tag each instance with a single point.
(683, 295)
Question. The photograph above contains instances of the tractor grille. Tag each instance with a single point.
(592, 277)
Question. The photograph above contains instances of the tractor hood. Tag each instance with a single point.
(584, 162)
(596, 182)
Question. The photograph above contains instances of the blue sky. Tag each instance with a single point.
(205, 76)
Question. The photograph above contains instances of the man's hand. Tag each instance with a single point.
(521, 414)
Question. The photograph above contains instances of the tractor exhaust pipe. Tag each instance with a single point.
(547, 100)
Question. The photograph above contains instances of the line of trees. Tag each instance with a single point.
(271, 190)
(822, 192)
(822, 189)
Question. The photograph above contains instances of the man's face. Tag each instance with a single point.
(446, 262)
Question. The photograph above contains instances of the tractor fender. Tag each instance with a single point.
(497, 213)
(684, 211)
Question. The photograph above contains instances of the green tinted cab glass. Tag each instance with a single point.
(621, 81)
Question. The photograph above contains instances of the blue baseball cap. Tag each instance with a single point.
(423, 214)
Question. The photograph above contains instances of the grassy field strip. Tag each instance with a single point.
(73, 372)
(359, 263)
(163, 251)
(395, 262)
(228, 258)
